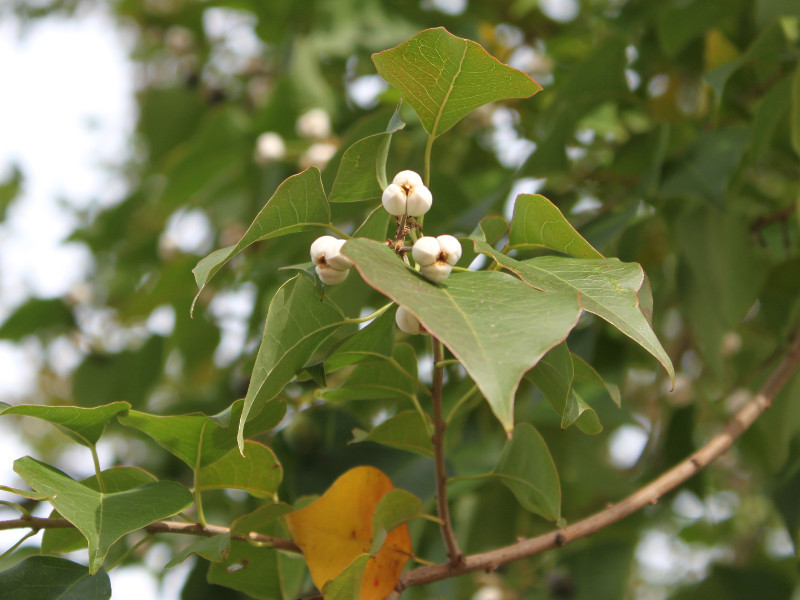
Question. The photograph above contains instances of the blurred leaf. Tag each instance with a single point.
(337, 528)
(37, 316)
(297, 323)
(258, 472)
(103, 518)
(405, 431)
(607, 287)
(585, 373)
(9, 189)
(679, 24)
(395, 377)
(48, 577)
(444, 77)
(214, 548)
(495, 325)
(298, 204)
(771, 110)
(199, 440)
(538, 223)
(362, 172)
(527, 469)
(125, 376)
(347, 585)
(796, 110)
(83, 425)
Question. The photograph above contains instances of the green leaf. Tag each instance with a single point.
(395, 508)
(528, 470)
(679, 24)
(199, 440)
(297, 323)
(115, 479)
(362, 172)
(538, 223)
(9, 189)
(495, 325)
(258, 472)
(375, 225)
(392, 378)
(586, 373)
(36, 316)
(298, 204)
(50, 578)
(103, 518)
(84, 425)
(347, 585)
(405, 431)
(444, 77)
(375, 341)
(796, 110)
(215, 549)
(608, 288)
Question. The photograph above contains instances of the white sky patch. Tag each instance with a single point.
(189, 231)
(232, 309)
(364, 90)
(626, 445)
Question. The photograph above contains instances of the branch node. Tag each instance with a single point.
(560, 539)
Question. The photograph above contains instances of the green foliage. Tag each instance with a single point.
(667, 135)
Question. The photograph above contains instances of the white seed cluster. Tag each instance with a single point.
(331, 266)
(436, 256)
(407, 195)
(407, 322)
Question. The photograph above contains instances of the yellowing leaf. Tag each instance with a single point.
(336, 529)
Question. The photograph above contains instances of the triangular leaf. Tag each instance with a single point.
(103, 518)
(444, 77)
(298, 204)
(257, 472)
(495, 325)
(215, 549)
(405, 431)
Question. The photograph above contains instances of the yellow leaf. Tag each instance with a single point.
(336, 529)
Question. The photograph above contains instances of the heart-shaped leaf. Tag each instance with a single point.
(49, 577)
(257, 472)
(298, 204)
(495, 325)
(608, 288)
(84, 425)
(103, 518)
(444, 77)
(538, 223)
(337, 528)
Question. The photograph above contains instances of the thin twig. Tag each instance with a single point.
(36, 523)
(453, 552)
(649, 494)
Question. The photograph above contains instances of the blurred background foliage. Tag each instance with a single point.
(668, 132)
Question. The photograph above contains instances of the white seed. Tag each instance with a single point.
(420, 201)
(269, 148)
(394, 200)
(437, 272)
(450, 248)
(314, 124)
(426, 250)
(335, 259)
(408, 179)
(321, 248)
(407, 322)
(331, 276)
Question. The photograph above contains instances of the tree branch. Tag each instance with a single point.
(649, 494)
(453, 552)
(37, 523)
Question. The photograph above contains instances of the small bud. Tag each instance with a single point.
(269, 148)
(314, 124)
(407, 322)
(437, 272)
(321, 247)
(331, 266)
